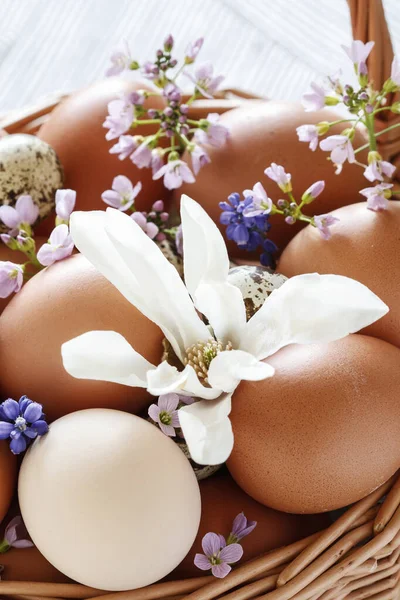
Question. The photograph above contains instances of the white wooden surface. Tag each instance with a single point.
(271, 47)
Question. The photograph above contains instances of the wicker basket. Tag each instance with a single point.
(358, 556)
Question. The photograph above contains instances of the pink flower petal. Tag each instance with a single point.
(221, 570)
(211, 544)
(231, 553)
(202, 562)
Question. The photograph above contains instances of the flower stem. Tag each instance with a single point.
(377, 135)
(369, 121)
(4, 546)
(145, 122)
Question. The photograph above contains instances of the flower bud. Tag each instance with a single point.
(26, 244)
(158, 206)
(9, 241)
(281, 203)
(395, 108)
(290, 220)
(369, 108)
(313, 192)
(134, 66)
(331, 101)
(373, 156)
(168, 43)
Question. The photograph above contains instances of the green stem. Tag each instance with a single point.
(342, 121)
(369, 121)
(4, 546)
(192, 122)
(145, 122)
(377, 135)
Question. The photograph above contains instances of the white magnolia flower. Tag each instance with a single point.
(306, 309)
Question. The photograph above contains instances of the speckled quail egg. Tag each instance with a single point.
(256, 283)
(29, 166)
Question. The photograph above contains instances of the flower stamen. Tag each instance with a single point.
(200, 355)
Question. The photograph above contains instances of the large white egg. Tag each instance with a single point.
(109, 500)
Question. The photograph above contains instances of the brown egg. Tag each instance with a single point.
(324, 431)
(61, 302)
(26, 564)
(75, 130)
(6, 254)
(261, 134)
(222, 500)
(8, 477)
(365, 245)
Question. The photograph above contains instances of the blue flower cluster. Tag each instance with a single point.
(247, 232)
(21, 422)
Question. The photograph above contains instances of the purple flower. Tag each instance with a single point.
(15, 535)
(125, 146)
(313, 192)
(179, 240)
(267, 258)
(278, 174)
(150, 228)
(308, 133)
(377, 197)
(378, 168)
(150, 70)
(204, 80)
(142, 156)
(340, 148)
(119, 119)
(172, 93)
(247, 232)
(59, 246)
(156, 160)
(358, 52)
(241, 528)
(11, 278)
(261, 203)
(199, 158)
(24, 214)
(175, 172)
(168, 43)
(123, 194)
(165, 413)
(22, 422)
(314, 100)
(65, 203)
(323, 223)
(120, 61)
(213, 132)
(192, 51)
(217, 556)
(395, 71)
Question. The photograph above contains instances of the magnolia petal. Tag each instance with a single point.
(229, 368)
(208, 430)
(206, 266)
(166, 379)
(105, 356)
(310, 309)
(166, 300)
(90, 237)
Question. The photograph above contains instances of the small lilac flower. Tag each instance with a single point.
(172, 93)
(156, 160)
(247, 232)
(123, 194)
(23, 214)
(217, 556)
(313, 192)
(241, 528)
(150, 70)
(137, 98)
(175, 172)
(358, 52)
(308, 133)
(204, 81)
(314, 100)
(59, 246)
(340, 148)
(150, 228)
(119, 119)
(199, 158)
(125, 146)
(323, 224)
(213, 133)
(65, 203)
(11, 278)
(165, 413)
(378, 168)
(179, 241)
(142, 156)
(21, 421)
(377, 197)
(192, 51)
(120, 62)
(261, 203)
(16, 535)
(278, 174)
(395, 71)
